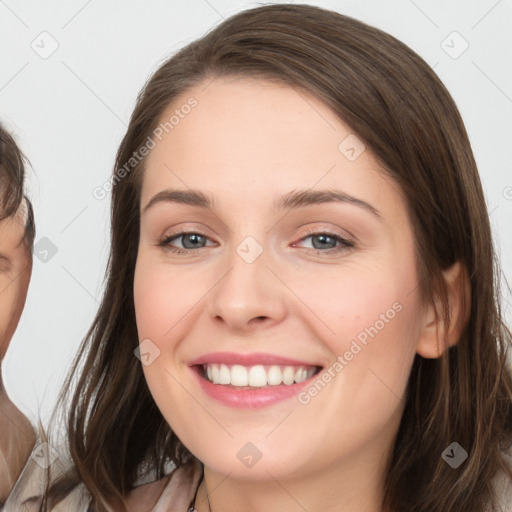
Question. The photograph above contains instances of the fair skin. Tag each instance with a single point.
(17, 436)
(247, 143)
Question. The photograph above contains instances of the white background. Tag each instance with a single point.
(69, 112)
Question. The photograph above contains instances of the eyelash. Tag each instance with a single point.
(344, 243)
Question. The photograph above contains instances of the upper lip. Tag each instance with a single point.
(252, 359)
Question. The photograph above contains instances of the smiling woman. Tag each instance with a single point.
(321, 201)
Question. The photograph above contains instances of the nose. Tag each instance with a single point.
(248, 296)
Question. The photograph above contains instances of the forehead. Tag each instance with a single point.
(261, 139)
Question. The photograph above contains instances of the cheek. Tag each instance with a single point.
(379, 318)
(374, 318)
(155, 301)
(11, 307)
(5, 315)
(162, 298)
(368, 319)
(378, 349)
(358, 303)
(150, 299)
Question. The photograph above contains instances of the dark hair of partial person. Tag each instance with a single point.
(395, 103)
(12, 182)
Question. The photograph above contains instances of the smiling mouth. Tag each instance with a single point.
(255, 376)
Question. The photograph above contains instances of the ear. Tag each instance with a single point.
(435, 337)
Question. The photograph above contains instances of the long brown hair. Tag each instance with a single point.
(397, 105)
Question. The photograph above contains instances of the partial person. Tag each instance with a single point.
(17, 231)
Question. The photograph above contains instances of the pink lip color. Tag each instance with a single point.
(248, 398)
(249, 359)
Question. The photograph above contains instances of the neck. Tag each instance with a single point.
(356, 485)
(16, 442)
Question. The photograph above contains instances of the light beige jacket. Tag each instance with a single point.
(177, 495)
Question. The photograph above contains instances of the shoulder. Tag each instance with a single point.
(29, 484)
(30, 487)
(502, 485)
(178, 488)
(144, 497)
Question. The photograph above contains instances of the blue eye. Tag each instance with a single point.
(192, 241)
(328, 242)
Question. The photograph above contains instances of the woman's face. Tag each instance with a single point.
(274, 279)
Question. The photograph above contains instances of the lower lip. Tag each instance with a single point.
(250, 398)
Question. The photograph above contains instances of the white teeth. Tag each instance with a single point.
(215, 374)
(258, 375)
(289, 375)
(224, 374)
(301, 375)
(274, 376)
(239, 376)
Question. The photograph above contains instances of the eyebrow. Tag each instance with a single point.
(291, 200)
